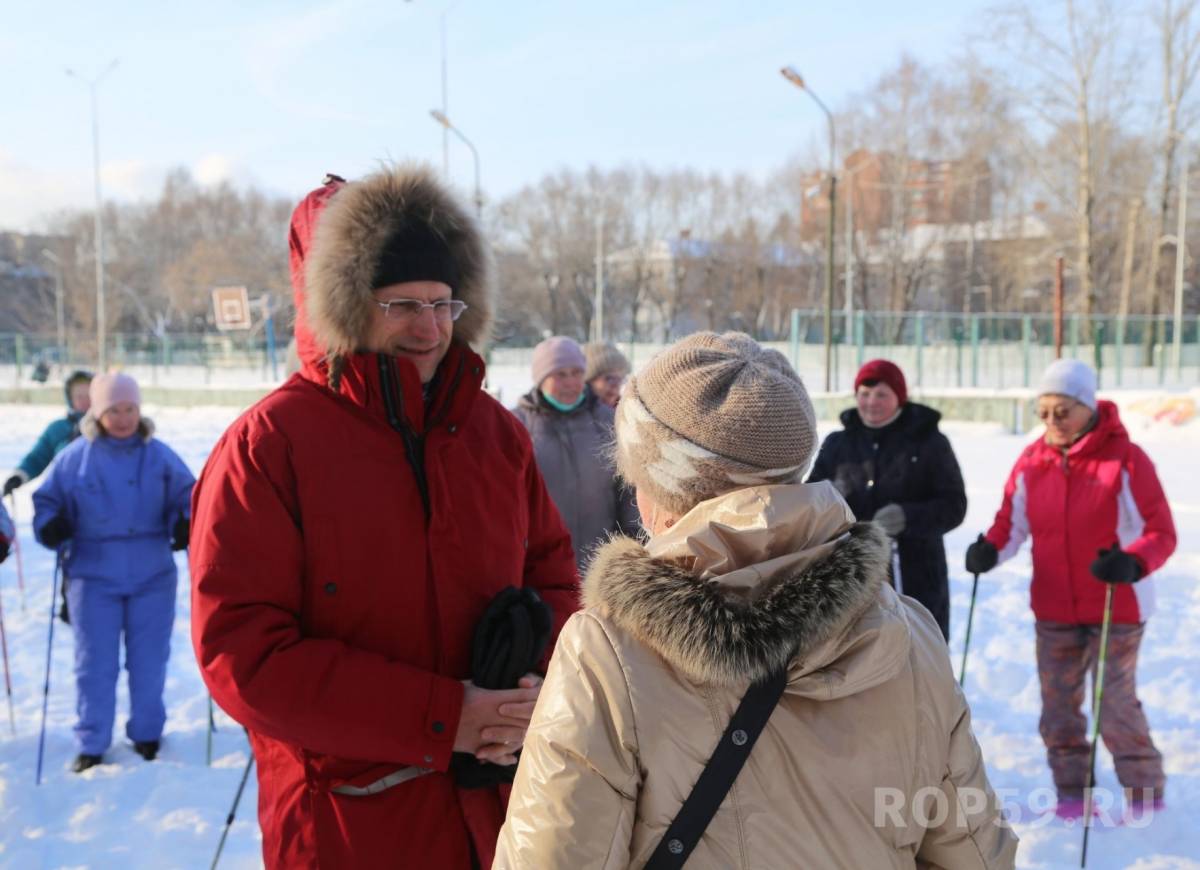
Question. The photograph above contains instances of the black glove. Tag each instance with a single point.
(12, 483)
(3, 550)
(56, 531)
(509, 641)
(1114, 565)
(179, 534)
(981, 556)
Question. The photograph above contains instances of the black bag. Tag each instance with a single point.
(719, 774)
(509, 641)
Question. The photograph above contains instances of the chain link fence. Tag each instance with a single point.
(937, 351)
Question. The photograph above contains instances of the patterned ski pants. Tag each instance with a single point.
(1065, 654)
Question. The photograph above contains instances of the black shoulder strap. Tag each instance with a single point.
(719, 774)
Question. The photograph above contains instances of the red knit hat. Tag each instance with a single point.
(877, 370)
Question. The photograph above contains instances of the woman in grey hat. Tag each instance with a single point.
(571, 429)
(748, 576)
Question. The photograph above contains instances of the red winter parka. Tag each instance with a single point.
(1101, 491)
(346, 539)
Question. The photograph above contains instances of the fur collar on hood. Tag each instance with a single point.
(717, 638)
(89, 428)
(349, 240)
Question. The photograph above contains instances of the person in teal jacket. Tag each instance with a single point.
(54, 438)
(57, 435)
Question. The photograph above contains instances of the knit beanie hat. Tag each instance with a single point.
(1070, 377)
(556, 353)
(603, 358)
(710, 414)
(109, 390)
(883, 371)
(414, 251)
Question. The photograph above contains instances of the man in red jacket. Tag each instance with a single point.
(351, 528)
(1091, 502)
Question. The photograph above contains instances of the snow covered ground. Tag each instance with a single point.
(132, 814)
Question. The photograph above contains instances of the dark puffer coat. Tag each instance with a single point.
(909, 463)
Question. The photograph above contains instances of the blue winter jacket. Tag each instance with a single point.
(122, 497)
(56, 436)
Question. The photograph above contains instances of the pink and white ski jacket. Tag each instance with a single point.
(1102, 490)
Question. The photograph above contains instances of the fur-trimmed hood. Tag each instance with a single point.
(89, 428)
(339, 233)
(715, 635)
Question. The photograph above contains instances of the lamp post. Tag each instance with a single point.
(445, 122)
(795, 78)
(59, 317)
(98, 225)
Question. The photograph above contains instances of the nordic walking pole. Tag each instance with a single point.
(12, 500)
(233, 810)
(49, 650)
(962, 674)
(12, 721)
(212, 726)
(1097, 698)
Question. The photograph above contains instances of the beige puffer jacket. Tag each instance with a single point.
(867, 762)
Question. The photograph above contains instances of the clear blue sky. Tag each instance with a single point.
(277, 93)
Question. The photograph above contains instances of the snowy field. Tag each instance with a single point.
(132, 814)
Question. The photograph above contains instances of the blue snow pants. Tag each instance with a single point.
(101, 613)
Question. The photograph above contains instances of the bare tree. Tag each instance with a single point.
(1067, 66)
(1179, 56)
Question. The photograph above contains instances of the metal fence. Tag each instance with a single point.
(936, 350)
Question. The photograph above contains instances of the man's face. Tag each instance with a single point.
(81, 399)
(422, 338)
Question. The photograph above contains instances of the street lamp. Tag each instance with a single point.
(98, 227)
(445, 122)
(59, 317)
(795, 78)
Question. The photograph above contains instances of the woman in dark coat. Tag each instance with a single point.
(892, 465)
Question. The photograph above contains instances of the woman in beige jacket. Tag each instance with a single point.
(868, 761)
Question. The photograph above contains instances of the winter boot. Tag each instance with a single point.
(1070, 805)
(83, 761)
(1141, 804)
(148, 749)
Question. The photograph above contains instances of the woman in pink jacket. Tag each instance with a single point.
(1090, 500)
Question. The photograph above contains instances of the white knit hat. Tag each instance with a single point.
(1070, 377)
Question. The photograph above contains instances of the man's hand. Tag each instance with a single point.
(493, 723)
(12, 483)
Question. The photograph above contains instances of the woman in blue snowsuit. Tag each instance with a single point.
(115, 504)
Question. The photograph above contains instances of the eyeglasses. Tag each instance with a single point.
(1059, 412)
(411, 309)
